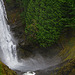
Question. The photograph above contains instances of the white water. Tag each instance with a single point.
(29, 73)
(7, 44)
(8, 50)
(8, 47)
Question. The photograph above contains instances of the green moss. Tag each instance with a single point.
(68, 51)
(4, 70)
(0, 69)
(67, 69)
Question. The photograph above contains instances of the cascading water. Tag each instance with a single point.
(7, 45)
(8, 48)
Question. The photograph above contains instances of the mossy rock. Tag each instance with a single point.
(4, 70)
(67, 69)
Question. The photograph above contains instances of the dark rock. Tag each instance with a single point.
(18, 29)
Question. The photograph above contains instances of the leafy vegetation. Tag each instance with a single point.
(68, 10)
(43, 21)
(8, 1)
(23, 4)
(46, 19)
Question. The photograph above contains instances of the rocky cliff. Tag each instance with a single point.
(17, 28)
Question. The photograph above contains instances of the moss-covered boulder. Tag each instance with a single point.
(4, 70)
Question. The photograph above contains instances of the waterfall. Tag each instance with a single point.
(9, 54)
(7, 45)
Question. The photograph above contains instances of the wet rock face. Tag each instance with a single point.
(17, 28)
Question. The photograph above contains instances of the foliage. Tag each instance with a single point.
(68, 13)
(8, 1)
(23, 6)
(43, 21)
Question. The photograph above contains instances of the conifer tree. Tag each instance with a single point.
(68, 13)
(43, 21)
